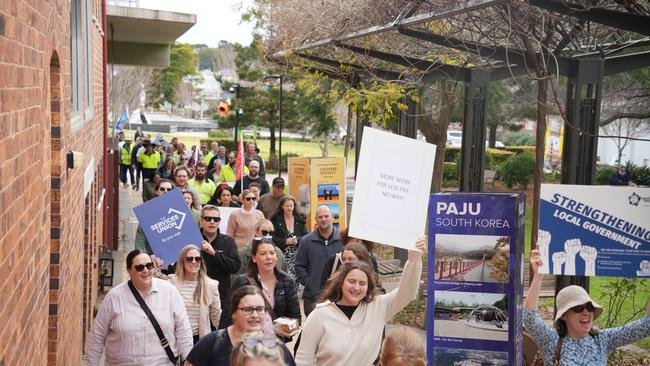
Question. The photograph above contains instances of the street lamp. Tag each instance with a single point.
(235, 89)
(279, 77)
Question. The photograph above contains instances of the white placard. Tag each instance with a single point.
(225, 215)
(391, 193)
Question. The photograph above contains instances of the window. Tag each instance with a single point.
(81, 78)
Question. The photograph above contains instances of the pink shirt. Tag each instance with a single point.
(124, 332)
(241, 225)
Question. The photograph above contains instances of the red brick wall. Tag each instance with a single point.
(48, 235)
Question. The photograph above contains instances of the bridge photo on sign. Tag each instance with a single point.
(477, 258)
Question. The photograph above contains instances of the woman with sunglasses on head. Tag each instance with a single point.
(290, 227)
(123, 331)
(278, 288)
(263, 230)
(248, 310)
(575, 340)
(347, 324)
(258, 350)
(241, 224)
(167, 169)
(200, 293)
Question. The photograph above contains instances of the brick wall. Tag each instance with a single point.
(49, 230)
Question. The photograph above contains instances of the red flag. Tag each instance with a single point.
(239, 172)
(194, 158)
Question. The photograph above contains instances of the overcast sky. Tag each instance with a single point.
(468, 298)
(215, 20)
(465, 242)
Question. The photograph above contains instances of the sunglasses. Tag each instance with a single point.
(211, 218)
(248, 310)
(267, 233)
(580, 308)
(163, 189)
(250, 198)
(141, 267)
(251, 342)
(190, 259)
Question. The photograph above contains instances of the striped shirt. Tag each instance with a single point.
(187, 289)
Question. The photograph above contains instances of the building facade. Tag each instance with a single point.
(51, 221)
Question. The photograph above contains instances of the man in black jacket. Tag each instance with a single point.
(221, 258)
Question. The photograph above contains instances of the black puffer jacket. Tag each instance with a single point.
(285, 294)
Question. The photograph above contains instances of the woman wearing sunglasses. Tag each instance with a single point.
(200, 293)
(241, 224)
(124, 332)
(258, 350)
(248, 310)
(575, 340)
(278, 288)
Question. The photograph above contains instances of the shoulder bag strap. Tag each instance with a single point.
(163, 341)
(558, 349)
(266, 302)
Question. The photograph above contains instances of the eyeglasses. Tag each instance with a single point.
(248, 310)
(250, 198)
(141, 267)
(578, 309)
(163, 189)
(267, 233)
(211, 218)
(190, 259)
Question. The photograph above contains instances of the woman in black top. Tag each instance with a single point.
(278, 288)
(289, 226)
(222, 197)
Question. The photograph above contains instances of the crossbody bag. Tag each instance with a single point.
(161, 336)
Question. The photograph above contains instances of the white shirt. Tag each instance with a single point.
(123, 330)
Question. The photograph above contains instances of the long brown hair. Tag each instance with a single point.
(280, 211)
(251, 267)
(202, 293)
(333, 292)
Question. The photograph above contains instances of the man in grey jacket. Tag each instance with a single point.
(313, 251)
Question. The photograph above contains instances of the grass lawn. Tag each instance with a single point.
(301, 148)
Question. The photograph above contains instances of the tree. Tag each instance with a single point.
(127, 84)
(501, 260)
(182, 63)
(622, 130)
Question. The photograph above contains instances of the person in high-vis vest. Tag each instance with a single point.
(150, 160)
(126, 165)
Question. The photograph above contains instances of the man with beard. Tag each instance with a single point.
(220, 256)
(228, 172)
(253, 176)
(203, 186)
(252, 154)
(313, 251)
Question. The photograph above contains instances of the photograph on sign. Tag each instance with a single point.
(469, 357)
(168, 225)
(328, 192)
(594, 230)
(391, 192)
(478, 258)
(471, 315)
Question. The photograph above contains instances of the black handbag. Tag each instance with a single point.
(163, 341)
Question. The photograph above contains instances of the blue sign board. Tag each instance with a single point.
(168, 224)
(474, 312)
(595, 230)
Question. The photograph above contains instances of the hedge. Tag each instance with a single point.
(519, 149)
(494, 157)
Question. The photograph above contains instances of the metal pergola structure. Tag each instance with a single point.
(584, 70)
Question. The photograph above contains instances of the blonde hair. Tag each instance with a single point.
(202, 294)
(403, 347)
(263, 222)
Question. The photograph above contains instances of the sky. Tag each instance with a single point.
(215, 20)
(468, 297)
(466, 242)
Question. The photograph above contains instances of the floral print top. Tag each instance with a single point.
(588, 351)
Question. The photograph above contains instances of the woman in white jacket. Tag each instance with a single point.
(346, 326)
(200, 293)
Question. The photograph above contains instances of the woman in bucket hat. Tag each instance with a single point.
(581, 342)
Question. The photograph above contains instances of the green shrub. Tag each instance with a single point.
(517, 170)
(498, 157)
(450, 171)
(520, 139)
(638, 174)
(451, 153)
(603, 173)
(519, 149)
(219, 134)
(493, 157)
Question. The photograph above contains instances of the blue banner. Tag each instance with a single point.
(474, 312)
(168, 224)
(595, 230)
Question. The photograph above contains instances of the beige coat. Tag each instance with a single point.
(329, 338)
(206, 311)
